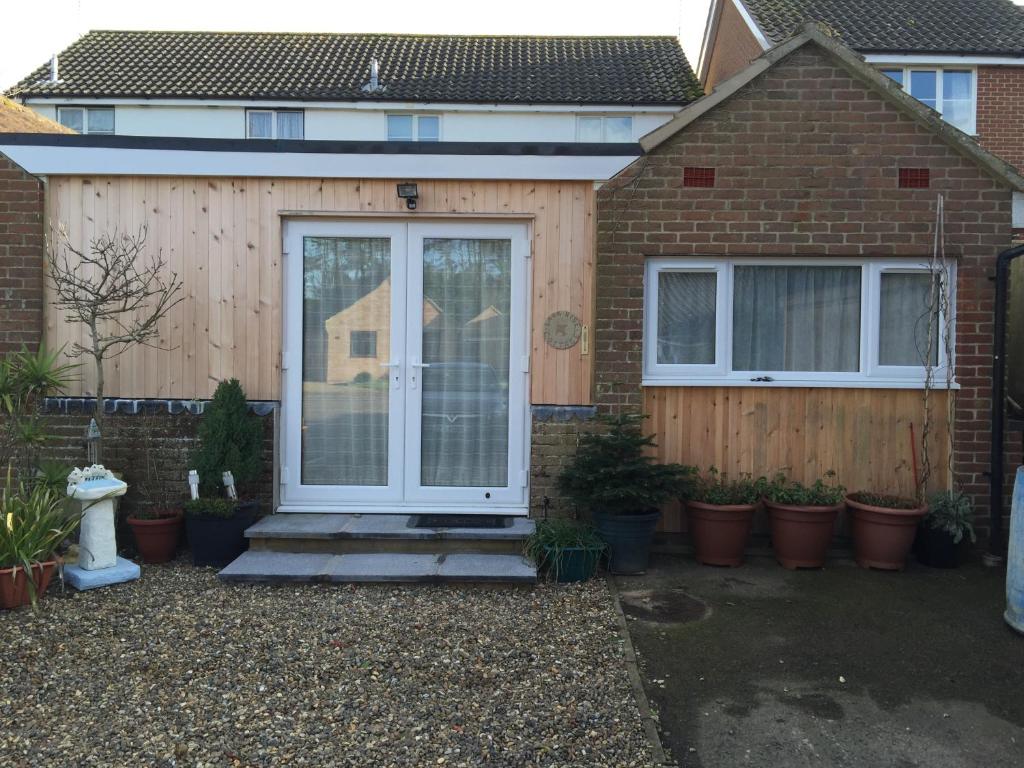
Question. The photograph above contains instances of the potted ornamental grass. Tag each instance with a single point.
(566, 550)
(802, 519)
(719, 515)
(946, 532)
(615, 478)
(155, 520)
(34, 523)
(230, 440)
(883, 527)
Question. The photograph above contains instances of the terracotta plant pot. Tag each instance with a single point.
(882, 536)
(14, 591)
(157, 538)
(719, 533)
(801, 535)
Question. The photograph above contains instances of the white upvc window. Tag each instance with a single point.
(795, 322)
(274, 124)
(94, 120)
(604, 128)
(414, 128)
(950, 91)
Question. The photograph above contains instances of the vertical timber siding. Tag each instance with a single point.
(223, 237)
(807, 160)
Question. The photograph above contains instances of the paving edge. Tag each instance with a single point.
(659, 756)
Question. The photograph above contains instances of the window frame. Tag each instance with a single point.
(604, 128)
(939, 71)
(415, 116)
(367, 336)
(273, 123)
(870, 374)
(85, 118)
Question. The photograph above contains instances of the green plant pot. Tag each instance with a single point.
(628, 538)
(571, 564)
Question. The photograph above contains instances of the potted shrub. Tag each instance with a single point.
(34, 522)
(802, 519)
(944, 533)
(620, 483)
(155, 522)
(567, 550)
(883, 527)
(230, 440)
(719, 514)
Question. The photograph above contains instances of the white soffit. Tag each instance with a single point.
(52, 160)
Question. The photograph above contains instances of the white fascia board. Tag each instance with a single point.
(369, 106)
(763, 41)
(943, 60)
(710, 27)
(72, 161)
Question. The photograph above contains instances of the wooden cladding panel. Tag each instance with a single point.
(863, 434)
(223, 237)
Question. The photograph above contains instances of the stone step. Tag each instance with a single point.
(278, 567)
(377, 533)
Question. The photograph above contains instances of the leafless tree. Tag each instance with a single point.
(117, 290)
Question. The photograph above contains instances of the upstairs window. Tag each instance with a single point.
(950, 92)
(597, 129)
(794, 322)
(414, 128)
(274, 124)
(94, 120)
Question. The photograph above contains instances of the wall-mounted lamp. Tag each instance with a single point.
(409, 193)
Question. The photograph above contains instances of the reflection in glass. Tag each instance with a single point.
(466, 308)
(346, 338)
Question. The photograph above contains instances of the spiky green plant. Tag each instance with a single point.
(952, 512)
(230, 440)
(552, 537)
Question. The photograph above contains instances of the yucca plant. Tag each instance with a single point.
(34, 522)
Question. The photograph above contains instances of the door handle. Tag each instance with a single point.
(392, 364)
(396, 377)
(412, 377)
(420, 365)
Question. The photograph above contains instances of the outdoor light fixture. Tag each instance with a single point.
(409, 193)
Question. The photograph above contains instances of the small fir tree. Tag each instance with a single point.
(613, 471)
(230, 440)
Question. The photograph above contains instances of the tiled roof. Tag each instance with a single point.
(15, 118)
(905, 26)
(242, 65)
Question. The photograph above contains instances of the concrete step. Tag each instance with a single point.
(277, 567)
(375, 534)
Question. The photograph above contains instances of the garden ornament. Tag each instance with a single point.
(96, 487)
(229, 484)
(193, 483)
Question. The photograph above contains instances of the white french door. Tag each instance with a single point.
(405, 381)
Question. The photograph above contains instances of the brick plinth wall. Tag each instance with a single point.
(1000, 98)
(555, 435)
(807, 160)
(21, 257)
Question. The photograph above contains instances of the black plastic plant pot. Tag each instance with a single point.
(628, 538)
(216, 541)
(935, 548)
(571, 564)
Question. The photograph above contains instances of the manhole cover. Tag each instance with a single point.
(665, 606)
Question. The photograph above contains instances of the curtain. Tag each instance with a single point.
(686, 318)
(289, 125)
(796, 318)
(903, 331)
(958, 99)
(467, 287)
(345, 394)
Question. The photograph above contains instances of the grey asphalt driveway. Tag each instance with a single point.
(764, 667)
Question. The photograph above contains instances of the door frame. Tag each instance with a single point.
(295, 497)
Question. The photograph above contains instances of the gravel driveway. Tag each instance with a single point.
(181, 670)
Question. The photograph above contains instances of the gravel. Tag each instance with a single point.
(180, 670)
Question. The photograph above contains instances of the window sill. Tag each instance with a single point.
(875, 383)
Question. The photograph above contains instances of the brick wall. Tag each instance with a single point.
(21, 257)
(554, 437)
(807, 159)
(1000, 100)
(732, 49)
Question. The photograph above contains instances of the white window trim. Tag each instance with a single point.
(938, 70)
(416, 125)
(604, 130)
(85, 117)
(273, 122)
(870, 375)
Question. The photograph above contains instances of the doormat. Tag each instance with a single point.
(460, 521)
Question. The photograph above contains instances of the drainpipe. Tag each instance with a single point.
(996, 478)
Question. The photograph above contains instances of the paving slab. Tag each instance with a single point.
(486, 568)
(278, 566)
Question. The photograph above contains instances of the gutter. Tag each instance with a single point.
(994, 556)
